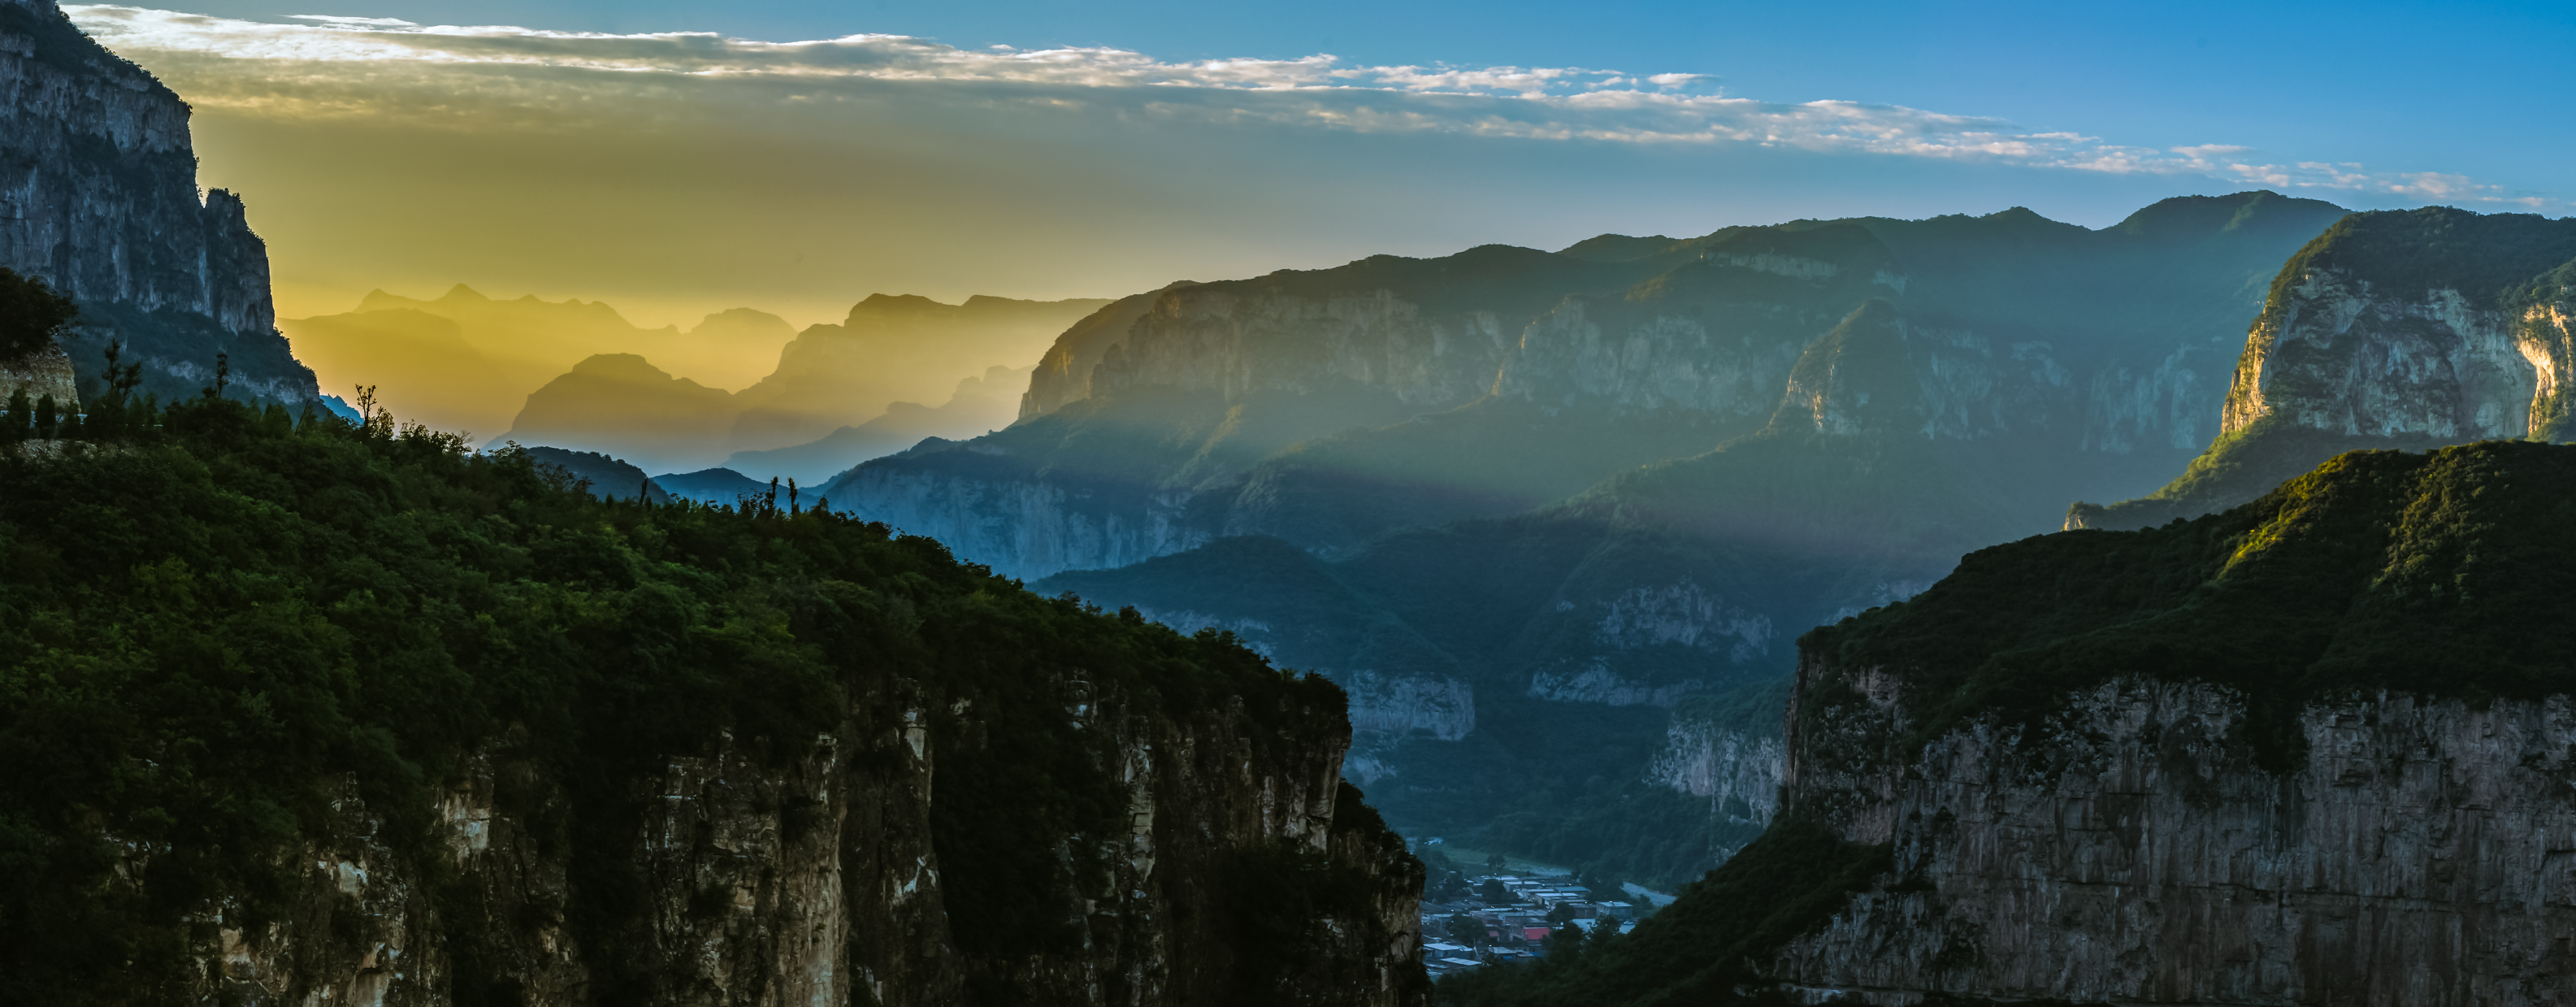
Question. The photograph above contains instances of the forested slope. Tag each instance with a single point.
(296, 707)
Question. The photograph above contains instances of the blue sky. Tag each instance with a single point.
(2465, 88)
(1160, 138)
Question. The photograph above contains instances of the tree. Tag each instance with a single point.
(1494, 893)
(32, 315)
(1497, 864)
(1602, 886)
(1465, 929)
(1566, 943)
(1441, 884)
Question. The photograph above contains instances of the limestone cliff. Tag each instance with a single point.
(759, 876)
(47, 373)
(2172, 789)
(2315, 749)
(2396, 329)
(2135, 850)
(1728, 750)
(98, 196)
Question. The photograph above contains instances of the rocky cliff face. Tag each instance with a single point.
(1729, 753)
(2406, 329)
(761, 877)
(1026, 528)
(2305, 751)
(2134, 850)
(1233, 343)
(98, 196)
(47, 373)
(2341, 359)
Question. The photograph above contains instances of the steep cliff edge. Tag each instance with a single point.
(306, 712)
(2395, 329)
(98, 196)
(2315, 749)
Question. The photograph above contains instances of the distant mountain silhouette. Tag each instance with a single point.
(609, 478)
(713, 486)
(980, 405)
(892, 354)
(620, 403)
(893, 348)
(467, 362)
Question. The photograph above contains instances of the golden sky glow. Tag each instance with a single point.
(675, 175)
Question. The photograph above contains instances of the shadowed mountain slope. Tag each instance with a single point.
(1329, 406)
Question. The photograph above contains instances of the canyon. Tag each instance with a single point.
(1575, 512)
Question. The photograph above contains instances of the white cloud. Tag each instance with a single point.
(1320, 92)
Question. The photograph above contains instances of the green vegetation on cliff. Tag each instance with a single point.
(31, 315)
(2507, 264)
(214, 618)
(2448, 573)
(2451, 572)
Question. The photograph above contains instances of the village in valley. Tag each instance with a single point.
(1485, 910)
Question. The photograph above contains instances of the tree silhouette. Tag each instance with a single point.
(31, 315)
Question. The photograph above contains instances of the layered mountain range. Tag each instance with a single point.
(1480, 490)
(466, 362)
(99, 198)
(1327, 407)
(578, 375)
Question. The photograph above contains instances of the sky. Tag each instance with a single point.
(675, 158)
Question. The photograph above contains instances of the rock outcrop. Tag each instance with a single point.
(2394, 329)
(2136, 851)
(1727, 750)
(46, 373)
(757, 877)
(99, 197)
(2145, 768)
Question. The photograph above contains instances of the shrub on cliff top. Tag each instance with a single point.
(2447, 573)
(31, 315)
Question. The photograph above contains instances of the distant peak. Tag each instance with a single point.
(901, 300)
(623, 365)
(461, 292)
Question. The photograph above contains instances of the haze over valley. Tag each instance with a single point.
(925, 506)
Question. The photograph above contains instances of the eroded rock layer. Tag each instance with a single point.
(753, 875)
(2135, 850)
